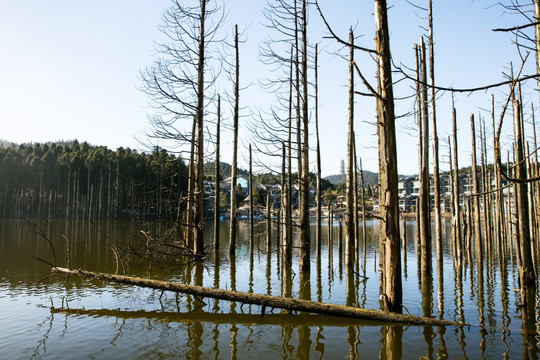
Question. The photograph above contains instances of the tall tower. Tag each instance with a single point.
(342, 167)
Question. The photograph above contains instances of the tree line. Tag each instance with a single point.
(79, 180)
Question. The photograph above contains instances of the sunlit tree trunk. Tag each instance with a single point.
(388, 192)
(424, 199)
(526, 273)
(457, 211)
(318, 233)
(349, 217)
(435, 138)
(475, 200)
(305, 239)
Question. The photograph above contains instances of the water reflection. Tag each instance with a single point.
(130, 322)
(391, 343)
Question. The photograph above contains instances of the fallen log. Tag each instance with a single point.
(264, 300)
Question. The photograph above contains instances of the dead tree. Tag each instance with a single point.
(476, 203)
(305, 237)
(265, 301)
(388, 192)
(234, 163)
(250, 196)
(456, 217)
(389, 235)
(217, 178)
(435, 139)
(318, 230)
(526, 273)
(424, 195)
(177, 85)
(350, 189)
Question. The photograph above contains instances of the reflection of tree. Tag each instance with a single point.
(529, 330)
(427, 306)
(391, 342)
(304, 331)
(41, 348)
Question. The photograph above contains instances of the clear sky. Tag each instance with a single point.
(70, 69)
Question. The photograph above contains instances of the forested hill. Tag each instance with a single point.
(72, 179)
(370, 178)
(224, 170)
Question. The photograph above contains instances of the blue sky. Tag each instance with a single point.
(70, 69)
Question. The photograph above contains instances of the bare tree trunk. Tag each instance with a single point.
(251, 195)
(536, 18)
(289, 208)
(388, 193)
(435, 140)
(283, 223)
(452, 199)
(486, 186)
(199, 117)
(457, 210)
(305, 239)
(475, 200)
(318, 231)
(191, 189)
(536, 191)
(355, 209)
(268, 223)
(298, 102)
(498, 232)
(349, 217)
(425, 207)
(232, 218)
(364, 232)
(526, 273)
(217, 177)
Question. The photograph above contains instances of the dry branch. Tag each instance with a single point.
(263, 300)
(519, 27)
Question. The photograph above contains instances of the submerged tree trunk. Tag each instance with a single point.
(251, 214)
(318, 231)
(349, 216)
(198, 220)
(424, 198)
(232, 217)
(457, 211)
(435, 139)
(217, 177)
(388, 194)
(305, 240)
(526, 273)
(191, 189)
(364, 232)
(476, 202)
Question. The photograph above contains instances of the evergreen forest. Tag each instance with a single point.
(78, 180)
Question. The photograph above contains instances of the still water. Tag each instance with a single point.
(78, 319)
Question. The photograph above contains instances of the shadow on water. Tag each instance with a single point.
(127, 322)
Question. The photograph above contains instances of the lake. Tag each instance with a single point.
(66, 318)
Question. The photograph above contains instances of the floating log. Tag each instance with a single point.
(264, 300)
